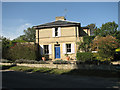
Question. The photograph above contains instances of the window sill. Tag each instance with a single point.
(69, 53)
(56, 36)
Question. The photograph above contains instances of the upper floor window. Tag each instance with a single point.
(68, 48)
(46, 49)
(56, 31)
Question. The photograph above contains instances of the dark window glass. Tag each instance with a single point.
(56, 31)
(68, 47)
(46, 49)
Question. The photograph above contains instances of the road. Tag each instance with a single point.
(12, 79)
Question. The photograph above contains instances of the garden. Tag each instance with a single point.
(105, 41)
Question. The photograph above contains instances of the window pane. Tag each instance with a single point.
(46, 50)
(68, 47)
(56, 31)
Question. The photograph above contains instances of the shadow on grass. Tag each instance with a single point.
(44, 71)
(98, 73)
(4, 67)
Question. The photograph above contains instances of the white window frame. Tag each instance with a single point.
(58, 32)
(44, 49)
(67, 48)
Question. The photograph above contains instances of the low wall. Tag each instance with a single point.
(70, 66)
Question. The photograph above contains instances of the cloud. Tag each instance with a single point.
(16, 31)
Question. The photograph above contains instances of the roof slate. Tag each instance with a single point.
(57, 24)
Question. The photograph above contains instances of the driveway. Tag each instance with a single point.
(13, 79)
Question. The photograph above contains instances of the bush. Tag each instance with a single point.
(30, 61)
(61, 62)
(106, 47)
(22, 51)
(6, 61)
(84, 56)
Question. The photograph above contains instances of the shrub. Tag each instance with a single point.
(84, 56)
(106, 47)
(61, 62)
(6, 61)
(30, 61)
(22, 51)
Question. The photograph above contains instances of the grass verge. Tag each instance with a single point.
(99, 73)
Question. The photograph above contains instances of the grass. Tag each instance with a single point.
(99, 73)
(40, 70)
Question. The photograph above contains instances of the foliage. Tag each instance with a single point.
(6, 61)
(19, 39)
(61, 62)
(29, 34)
(117, 35)
(66, 55)
(85, 45)
(84, 56)
(109, 28)
(6, 44)
(106, 47)
(93, 28)
(30, 61)
(22, 51)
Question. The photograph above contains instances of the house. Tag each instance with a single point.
(60, 37)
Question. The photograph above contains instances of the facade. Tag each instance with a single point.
(58, 38)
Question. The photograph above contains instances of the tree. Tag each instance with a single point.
(6, 44)
(29, 34)
(109, 28)
(85, 45)
(93, 28)
(19, 39)
(106, 46)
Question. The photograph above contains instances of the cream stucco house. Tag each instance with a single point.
(60, 37)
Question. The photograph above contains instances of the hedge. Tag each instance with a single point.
(84, 56)
(61, 62)
(22, 51)
(30, 61)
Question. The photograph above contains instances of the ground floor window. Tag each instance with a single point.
(68, 48)
(46, 49)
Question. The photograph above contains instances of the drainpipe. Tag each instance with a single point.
(38, 45)
(76, 40)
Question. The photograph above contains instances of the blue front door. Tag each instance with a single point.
(57, 52)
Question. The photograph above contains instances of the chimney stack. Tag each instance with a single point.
(60, 18)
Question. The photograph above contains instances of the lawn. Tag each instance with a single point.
(99, 73)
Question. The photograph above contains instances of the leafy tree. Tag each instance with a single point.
(85, 45)
(29, 34)
(117, 35)
(106, 46)
(6, 44)
(93, 28)
(109, 28)
(19, 39)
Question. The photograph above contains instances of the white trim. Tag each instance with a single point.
(64, 48)
(72, 48)
(53, 32)
(69, 53)
(59, 31)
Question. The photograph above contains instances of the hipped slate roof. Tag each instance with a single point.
(58, 23)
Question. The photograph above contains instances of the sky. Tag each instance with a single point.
(18, 16)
